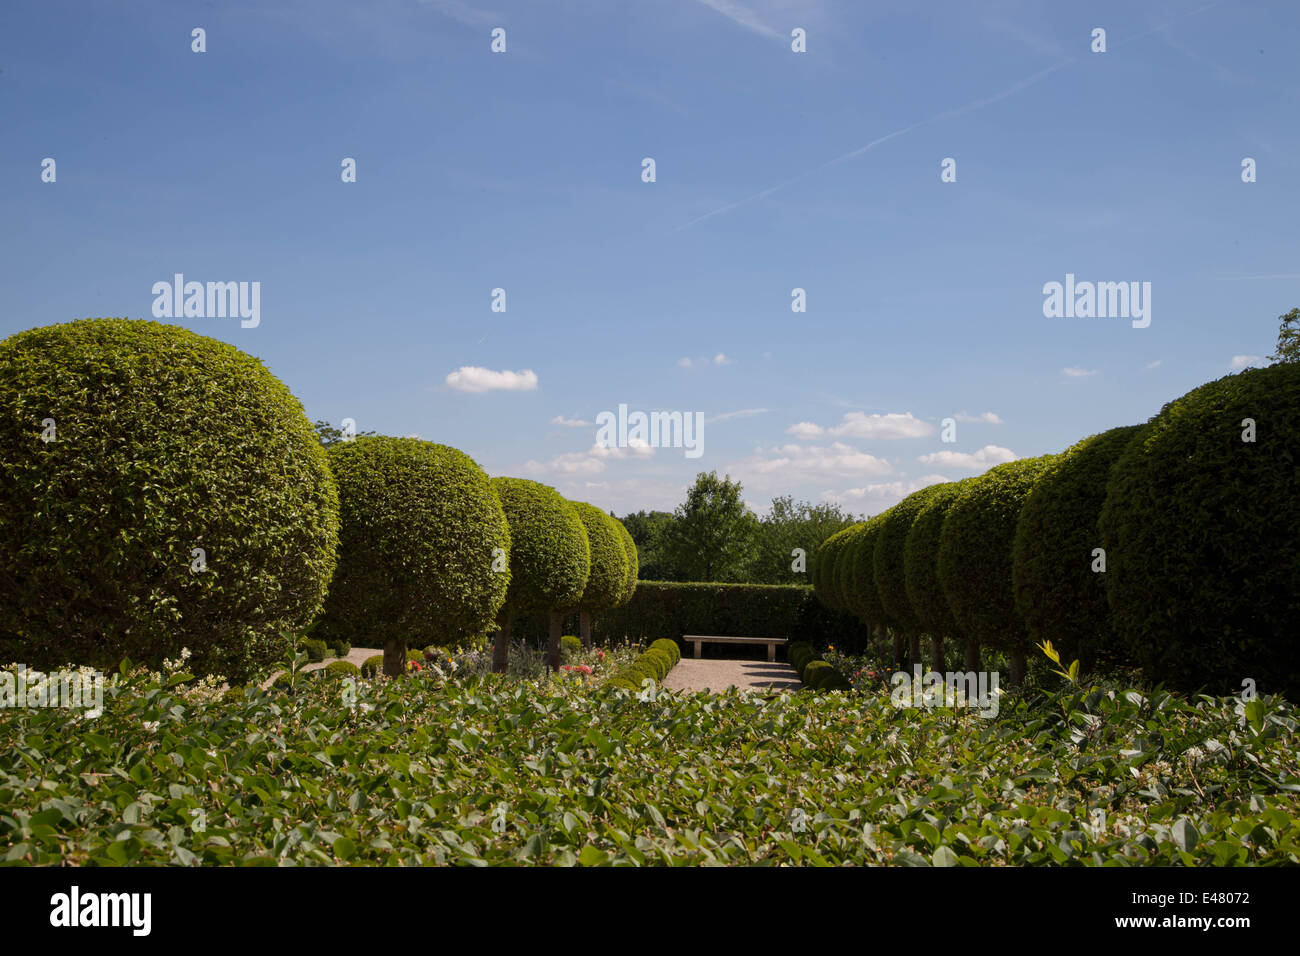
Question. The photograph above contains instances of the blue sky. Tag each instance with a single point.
(775, 170)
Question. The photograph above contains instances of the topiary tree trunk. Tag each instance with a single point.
(914, 648)
(936, 653)
(899, 649)
(394, 657)
(972, 655)
(553, 640)
(501, 646)
(1017, 657)
(584, 628)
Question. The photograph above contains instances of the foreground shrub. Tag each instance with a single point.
(612, 779)
(1202, 536)
(975, 558)
(1059, 595)
(421, 528)
(163, 442)
(550, 559)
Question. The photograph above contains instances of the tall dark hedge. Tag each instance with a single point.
(165, 442)
(921, 565)
(607, 581)
(1202, 536)
(975, 557)
(1059, 596)
(420, 523)
(671, 609)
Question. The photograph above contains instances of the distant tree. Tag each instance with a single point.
(647, 529)
(791, 525)
(1288, 338)
(713, 532)
(328, 435)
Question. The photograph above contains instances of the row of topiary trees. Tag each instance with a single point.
(160, 489)
(1173, 545)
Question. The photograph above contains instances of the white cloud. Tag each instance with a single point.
(785, 466)
(740, 14)
(1075, 372)
(1156, 364)
(986, 457)
(571, 422)
(988, 418)
(721, 359)
(742, 413)
(862, 425)
(1240, 362)
(875, 498)
(472, 378)
(590, 462)
(463, 13)
(684, 363)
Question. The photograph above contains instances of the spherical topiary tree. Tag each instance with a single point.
(1201, 528)
(158, 489)
(633, 562)
(863, 595)
(1059, 584)
(550, 560)
(823, 574)
(975, 558)
(609, 572)
(921, 569)
(423, 547)
(891, 583)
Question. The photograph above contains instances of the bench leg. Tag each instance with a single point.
(771, 653)
(697, 647)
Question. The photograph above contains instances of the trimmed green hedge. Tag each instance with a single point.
(1059, 597)
(816, 674)
(654, 663)
(975, 557)
(164, 442)
(671, 609)
(416, 548)
(1202, 537)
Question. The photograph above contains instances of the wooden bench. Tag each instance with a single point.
(772, 642)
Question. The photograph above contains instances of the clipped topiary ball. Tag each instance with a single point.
(1058, 594)
(860, 575)
(158, 489)
(1201, 528)
(550, 559)
(608, 578)
(975, 557)
(921, 566)
(422, 547)
(888, 560)
(633, 562)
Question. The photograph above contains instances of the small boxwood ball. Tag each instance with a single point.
(158, 488)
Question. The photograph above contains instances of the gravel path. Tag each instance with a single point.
(717, 676)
